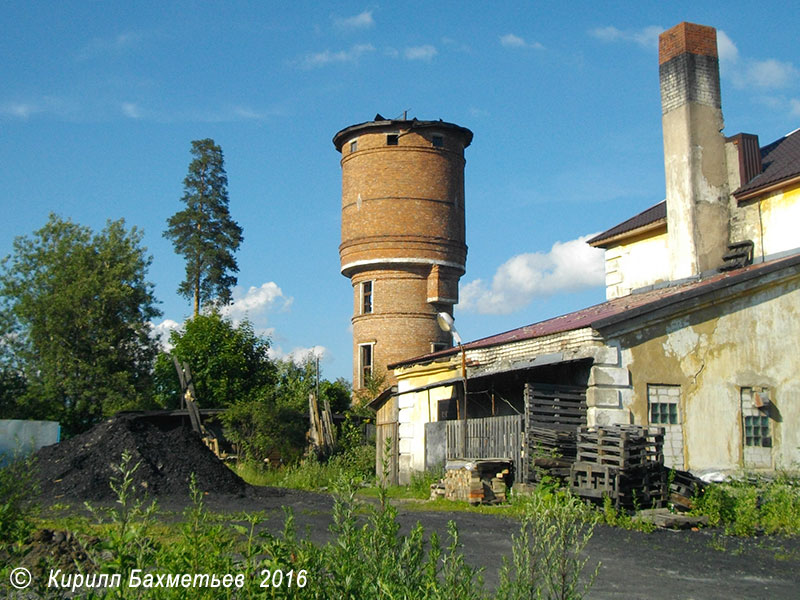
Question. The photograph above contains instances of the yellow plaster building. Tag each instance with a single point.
(700, 332)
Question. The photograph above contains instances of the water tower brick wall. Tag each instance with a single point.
(403, 230)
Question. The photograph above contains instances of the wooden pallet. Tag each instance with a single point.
(621, 446)
(555, 407)
(553, 441)
(642, 488)
(683, 488)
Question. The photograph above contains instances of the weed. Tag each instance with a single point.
(16, 508)
(745, 508)
(547, 552)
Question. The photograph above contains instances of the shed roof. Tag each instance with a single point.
(620, 309)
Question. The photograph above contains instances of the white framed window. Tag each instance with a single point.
(366, 297)
(436, 346)
(756, 427)
(664, 410)
(365, 363)
(353, 146)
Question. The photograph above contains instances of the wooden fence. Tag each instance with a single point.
(491, 437)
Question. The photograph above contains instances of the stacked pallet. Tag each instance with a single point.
(623, 462)
(552, 416)
(478, 481)
(555, 408)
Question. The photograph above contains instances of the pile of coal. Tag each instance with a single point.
(165, 453)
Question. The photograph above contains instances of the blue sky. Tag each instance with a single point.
(100, 100)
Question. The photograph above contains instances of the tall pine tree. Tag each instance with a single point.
(204, 232)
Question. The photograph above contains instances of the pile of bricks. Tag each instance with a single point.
(623, 462)
(477, 481)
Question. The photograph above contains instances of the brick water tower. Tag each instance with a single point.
(403, 245)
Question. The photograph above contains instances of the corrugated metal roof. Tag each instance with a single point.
(646, 217)
(618, 309)
(780, 161)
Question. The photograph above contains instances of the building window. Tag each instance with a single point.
(364, 364)
(664, 411)
(366, 297)
(755, 419)
(437, 346)
(353, 146)
(756, 432)
(438, 141)
(391, 139)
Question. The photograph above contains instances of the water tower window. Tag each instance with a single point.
(366, 297)
(353, 146)
(365, 363)
(438, 141)
(391, 139)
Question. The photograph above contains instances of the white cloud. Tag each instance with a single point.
(321, 59)
(510, 40)
(426, 52)
(362, 20)
(795, 107)
(646, 37)
(768, 73)
(131, 110)
(19, 110)
(568, 267)
(162, 331)
(298, 356)
(256, 302)
(726, 49)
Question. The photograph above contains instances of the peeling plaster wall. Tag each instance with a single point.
(750, 341)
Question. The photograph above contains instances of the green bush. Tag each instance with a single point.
(746, 508)
(17, 508)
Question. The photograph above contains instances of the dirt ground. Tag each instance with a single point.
(663, 565)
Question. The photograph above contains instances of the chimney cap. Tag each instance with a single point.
(687, 37)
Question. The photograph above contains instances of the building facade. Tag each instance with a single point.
(700, 331)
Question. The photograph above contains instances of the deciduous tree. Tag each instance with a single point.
(204, 232)
(76, 312)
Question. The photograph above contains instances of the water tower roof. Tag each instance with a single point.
(380, 124)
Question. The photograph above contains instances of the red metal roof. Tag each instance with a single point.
(618, 309)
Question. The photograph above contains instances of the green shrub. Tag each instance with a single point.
(746, 508)
(547, 553)
(17, 509)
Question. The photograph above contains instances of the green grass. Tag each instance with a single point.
(368, 556)
(747, 508)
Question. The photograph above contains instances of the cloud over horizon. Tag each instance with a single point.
(510, 40)
(567, 267)
(362, 20)
(327, 57)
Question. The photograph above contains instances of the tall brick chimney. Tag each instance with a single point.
(694, 149)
